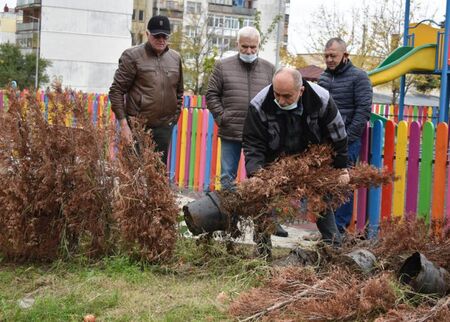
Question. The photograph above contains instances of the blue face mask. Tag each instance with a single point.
(248, 58)
(286, 108)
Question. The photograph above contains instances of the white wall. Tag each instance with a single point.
(269, 10)
(84, 40)
(7, 37)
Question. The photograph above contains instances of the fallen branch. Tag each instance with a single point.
(279, 305)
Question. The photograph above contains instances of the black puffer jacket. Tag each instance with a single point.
(351, 89)
(232, 85)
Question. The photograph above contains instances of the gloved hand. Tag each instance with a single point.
(344, 177)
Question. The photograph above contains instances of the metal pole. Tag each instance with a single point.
(401, 103)
(443, 100)
(277, 53)
(38, 46)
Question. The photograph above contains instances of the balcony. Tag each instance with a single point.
(230, 10)
(27, 26)
(28, 3)
(168, 5)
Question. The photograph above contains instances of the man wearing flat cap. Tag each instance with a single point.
(148, 84)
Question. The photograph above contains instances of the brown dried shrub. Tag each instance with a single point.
(58, 184)
(144, 204)
(335, 292)
(400, 238)
(308, 176)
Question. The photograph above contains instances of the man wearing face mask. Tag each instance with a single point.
(351, 89)
(283, 119)
(234, 82)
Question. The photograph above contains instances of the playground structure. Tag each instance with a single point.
(424, 51)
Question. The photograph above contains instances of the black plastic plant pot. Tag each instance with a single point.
(204, 215)
(424, 276)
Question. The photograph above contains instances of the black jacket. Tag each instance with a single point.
(351, 89)
(267, 134)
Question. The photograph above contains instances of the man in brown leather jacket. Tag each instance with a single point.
(149, 85)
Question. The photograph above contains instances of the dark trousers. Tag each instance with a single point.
(162, 136)
(344, 213)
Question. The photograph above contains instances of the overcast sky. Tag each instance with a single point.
(302, 16)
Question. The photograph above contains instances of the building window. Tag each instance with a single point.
(193, 7)
(172, 4)
(133, 17)
(141, 15)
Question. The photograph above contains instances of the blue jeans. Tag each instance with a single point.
(344, 213)
(231, 153)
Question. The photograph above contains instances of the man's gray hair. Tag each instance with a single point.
(338, 40)
(249, 32)
(295, 74)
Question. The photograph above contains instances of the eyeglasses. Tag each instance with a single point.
(159, 36)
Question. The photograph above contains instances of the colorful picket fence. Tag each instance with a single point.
(417, 154)
(195, 151)
(411, 113)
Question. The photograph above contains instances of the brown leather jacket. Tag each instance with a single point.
(151, 85)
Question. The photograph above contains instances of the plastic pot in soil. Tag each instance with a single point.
(362, 259)
(204, 215)
(424, 276)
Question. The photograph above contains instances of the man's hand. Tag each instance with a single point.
(125, 132)
(344, 177)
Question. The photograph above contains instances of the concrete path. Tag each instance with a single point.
(296, 231)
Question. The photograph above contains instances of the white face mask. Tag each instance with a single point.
(248, 58)
(286, 108)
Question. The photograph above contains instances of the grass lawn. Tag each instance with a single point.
(195, 286)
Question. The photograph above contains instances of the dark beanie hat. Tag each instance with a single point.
(159, 25)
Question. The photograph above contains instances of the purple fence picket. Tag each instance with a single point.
(412, 186)
(362, 193)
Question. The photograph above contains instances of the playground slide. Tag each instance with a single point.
(404, 60)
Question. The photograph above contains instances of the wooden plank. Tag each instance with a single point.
(218, 185)
(374, 206)
(438, 203)
(182, 170)
(388, 163)
(412, 186)
(193, 152)
(426, 166)
(209, 152)
(400, 169)
(198, 148)
(203, 152)
(188, 148)
(214, 157)
(178, 156)
(173, 153)
(362, 192)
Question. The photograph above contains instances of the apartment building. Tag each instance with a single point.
(8, 25)
(142, 12)
(83, 39)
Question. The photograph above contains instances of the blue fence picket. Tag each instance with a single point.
(374, 205)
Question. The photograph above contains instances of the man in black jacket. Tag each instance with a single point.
(351, 89)
(284, 118)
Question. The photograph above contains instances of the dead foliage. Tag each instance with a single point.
(308, 176)
(399, 238)
(144, 204)
(335, 291)
(58, 178)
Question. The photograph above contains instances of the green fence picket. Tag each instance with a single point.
(426, 167)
